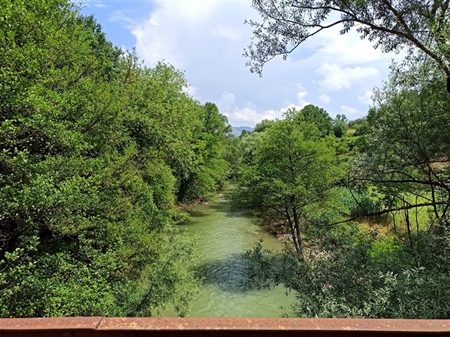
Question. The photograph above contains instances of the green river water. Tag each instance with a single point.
(222, 238)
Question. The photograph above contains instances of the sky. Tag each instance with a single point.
(206, 39)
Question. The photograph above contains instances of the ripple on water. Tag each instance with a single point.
(223, 237)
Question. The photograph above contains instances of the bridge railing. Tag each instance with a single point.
(203, 327)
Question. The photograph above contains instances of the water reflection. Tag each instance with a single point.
(229, 274)
(228, 288)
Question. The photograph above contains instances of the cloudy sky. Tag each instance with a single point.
(206, 40)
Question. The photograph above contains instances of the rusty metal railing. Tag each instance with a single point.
(115, 327)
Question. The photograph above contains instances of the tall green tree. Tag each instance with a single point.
(317, 116)
(293, 168)
(340, 125)
(263, 125)
(211, 168)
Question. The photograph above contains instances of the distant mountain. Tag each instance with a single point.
(238, 129)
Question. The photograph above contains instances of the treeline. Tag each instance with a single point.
(95, 151)
(363, 205)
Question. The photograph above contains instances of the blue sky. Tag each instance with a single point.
(206, 39)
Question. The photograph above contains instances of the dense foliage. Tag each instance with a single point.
(371, 243)
(95, 149)
(291, 170)
(375, 240)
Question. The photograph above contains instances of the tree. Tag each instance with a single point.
(292, 168)
(360, 125)
(317, 116)
(244, 148)
(408, 149)
(263, 125)
(340, 125)
(415, 25)
(405, 166)
(210, 167)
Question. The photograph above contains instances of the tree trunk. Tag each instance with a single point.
(297, 229)
(292, 227)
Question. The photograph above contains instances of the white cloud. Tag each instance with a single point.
(325, 98)
(348, 49)
(227, 100)
(250, 104)
(206, 39)
(193, 11)
(228, 32)
(350, 112)
(120, 16)
(190, 90)
(157, 40)
(250, 117)
(301, 95)
(160, 37)
(94, 3)
(366, 98)
(335, 77)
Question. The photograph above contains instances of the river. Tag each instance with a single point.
(223, 237)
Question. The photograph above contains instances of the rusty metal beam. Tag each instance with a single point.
(103, 327)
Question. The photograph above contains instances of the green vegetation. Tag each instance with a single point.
(95, 149)
(376, 240)
(290, 171)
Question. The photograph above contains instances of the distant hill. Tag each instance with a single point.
(238, 129)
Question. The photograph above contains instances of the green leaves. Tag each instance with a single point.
(402, 168)
(95, 149)
(292, 168)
